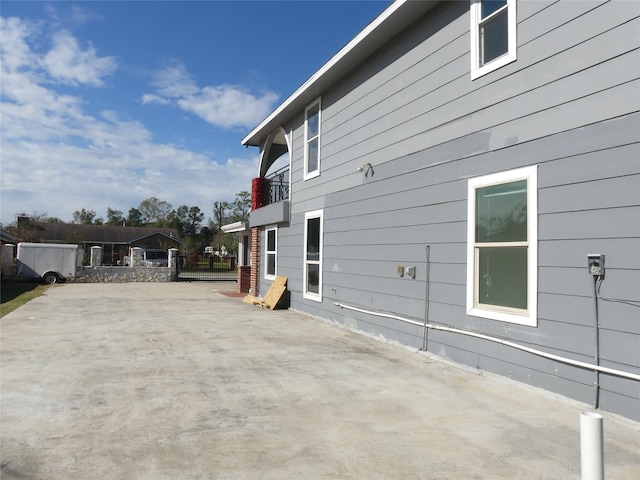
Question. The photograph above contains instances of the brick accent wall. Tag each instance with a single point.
(244, 278)
(255, 261)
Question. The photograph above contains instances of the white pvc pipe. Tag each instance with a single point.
(591, 446)
(611, 371)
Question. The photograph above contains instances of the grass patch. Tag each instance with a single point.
(16, 294)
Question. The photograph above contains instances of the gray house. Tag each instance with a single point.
(457, 175)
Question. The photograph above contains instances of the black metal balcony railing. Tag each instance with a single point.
(278, 185)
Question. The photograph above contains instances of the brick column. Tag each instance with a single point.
(255, 261)
(244, 278)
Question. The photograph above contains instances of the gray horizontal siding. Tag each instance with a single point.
(495, 98)
(608, 223)
(621, 253)
(569, 105)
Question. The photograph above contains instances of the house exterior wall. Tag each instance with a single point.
(569, 105)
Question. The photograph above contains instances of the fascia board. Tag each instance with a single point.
(387, 25)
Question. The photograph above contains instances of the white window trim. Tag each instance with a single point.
(477, 70)
(317, 297)
(530, 316)
(267, 276)
(307, 174)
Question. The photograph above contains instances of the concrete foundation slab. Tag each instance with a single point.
(178, 381)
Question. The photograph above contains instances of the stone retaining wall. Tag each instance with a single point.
(96, 273)
(125, 274)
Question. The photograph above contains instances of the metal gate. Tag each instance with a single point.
(207, 267)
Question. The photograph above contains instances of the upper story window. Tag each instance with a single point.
(502, 241)
(493, 35)
(312, 140)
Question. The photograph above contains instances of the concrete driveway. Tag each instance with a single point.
(178, 381)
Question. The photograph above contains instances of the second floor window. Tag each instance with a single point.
(493, 35)
(312, 140)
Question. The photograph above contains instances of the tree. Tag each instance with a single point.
(242, 206)
(115, 217)
(206, 235)
(134, 219)
(220, 214)
(194, 218)
(155, 213)
(29, 227)
(178, 219)
(84, 217)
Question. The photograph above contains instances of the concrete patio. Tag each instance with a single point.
(179, 381)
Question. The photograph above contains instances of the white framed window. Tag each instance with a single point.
(313, 239)
(271, 253)
(312, 123)
(502, 246)
(493, 35)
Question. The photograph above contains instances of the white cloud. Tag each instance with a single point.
(29, 109)
(225, 106)
(14, 48)
(60, 179)
(68, 63)
(153, 98)
(174, 82)
(229, 106)
(57, 158)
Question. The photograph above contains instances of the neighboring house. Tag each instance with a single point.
(455, 164)
(114, 240)
(7, 238)
(8, 242)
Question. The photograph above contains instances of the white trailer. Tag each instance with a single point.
(52, 262)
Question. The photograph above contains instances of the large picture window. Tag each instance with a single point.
(493, 35)
(271, 254)
(502, 246)
(312, 140)
(313, 255)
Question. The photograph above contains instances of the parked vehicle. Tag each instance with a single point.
(151, 257)
(52, 262)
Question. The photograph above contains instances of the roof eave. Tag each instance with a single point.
(389, 23)
(235, 227)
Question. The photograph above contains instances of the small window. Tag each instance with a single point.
(313, 255)
(312, 140)
(271, 253)
(502, 266)
(493, 35)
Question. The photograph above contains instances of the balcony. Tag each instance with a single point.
(270, 199)
(278, 185)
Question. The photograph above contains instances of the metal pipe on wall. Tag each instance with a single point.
(426, 301)
(540, 353)
(596, 328)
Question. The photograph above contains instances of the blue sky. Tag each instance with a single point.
(105, 104)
